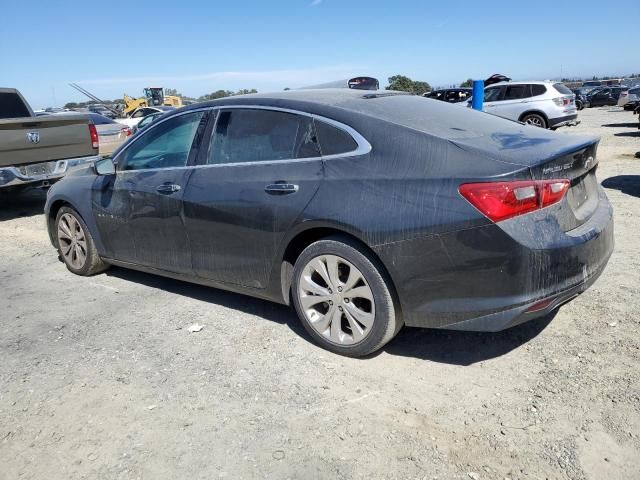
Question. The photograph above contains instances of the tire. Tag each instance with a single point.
(347, 323)
(72, 232)
(534, 119)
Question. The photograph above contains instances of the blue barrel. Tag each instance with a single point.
(478, 94)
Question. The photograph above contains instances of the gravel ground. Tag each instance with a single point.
(101, 379)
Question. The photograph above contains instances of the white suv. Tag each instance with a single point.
(543, 104)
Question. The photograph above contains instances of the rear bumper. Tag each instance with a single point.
(485, 279)
(569, 120)
(502, 320)
(41, 174)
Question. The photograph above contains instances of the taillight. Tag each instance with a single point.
(562, 101)
(127, 131)
(93, 133)
(502, 200)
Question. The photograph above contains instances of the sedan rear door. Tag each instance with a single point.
(262, 168)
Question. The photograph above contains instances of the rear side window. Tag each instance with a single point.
(333, 140)
(562, 89)
(12, 106)
(262, 135)
(514, 92)
(634, 91)
(538, 90)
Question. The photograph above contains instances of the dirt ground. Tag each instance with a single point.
(101, 379)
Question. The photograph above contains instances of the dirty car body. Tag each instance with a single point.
(398, 193)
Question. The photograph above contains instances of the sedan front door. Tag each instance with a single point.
(139, 209)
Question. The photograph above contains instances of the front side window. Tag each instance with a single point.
(166, 145)
(256, 135)
(492, 94)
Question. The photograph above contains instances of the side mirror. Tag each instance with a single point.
(105, 166)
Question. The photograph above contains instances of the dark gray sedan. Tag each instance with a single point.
(365, 210)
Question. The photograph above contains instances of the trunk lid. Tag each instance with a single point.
(31, 140)
(579, 167)
(548, 156)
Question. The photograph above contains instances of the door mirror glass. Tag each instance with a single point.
(105, 166)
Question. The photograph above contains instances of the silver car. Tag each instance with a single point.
(542, 104)
(629, 99)
(111, 134)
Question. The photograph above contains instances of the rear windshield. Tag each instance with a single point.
(100, 119)
(562, 89)
(12, 106)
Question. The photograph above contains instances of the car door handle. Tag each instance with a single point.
(281, 188)
(168, 188)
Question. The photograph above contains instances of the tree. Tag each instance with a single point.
(172, 91)
(71, 105)
(405, 84)
(467, 83)
(224, 93)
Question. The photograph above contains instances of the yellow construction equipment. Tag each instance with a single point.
(153, 96)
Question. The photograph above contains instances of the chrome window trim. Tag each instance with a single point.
(363, 148)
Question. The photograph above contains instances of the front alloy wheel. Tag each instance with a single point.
(72, 242)
(75, 244)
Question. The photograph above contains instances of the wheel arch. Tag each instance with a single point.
(309, 234)
(537, 112)
(55, 207)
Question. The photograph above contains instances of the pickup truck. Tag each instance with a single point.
(38, 150)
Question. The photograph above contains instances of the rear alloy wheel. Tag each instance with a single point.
(535, 120)
(342, 299)
(75, 244)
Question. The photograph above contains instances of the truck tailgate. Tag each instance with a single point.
(39, 139)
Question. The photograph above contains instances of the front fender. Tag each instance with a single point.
(76, 192)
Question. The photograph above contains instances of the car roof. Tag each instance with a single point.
(535, 82)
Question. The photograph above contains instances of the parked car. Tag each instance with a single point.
(604, 96)
(39, 150)
(139, 113)
(101, 110)
(111, 134)
(369, 209)
(581, 97)
(592, 83)
(451, 95)
(541, 104)
(629, 99)
(146, 121)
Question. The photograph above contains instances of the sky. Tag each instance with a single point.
(200, 46)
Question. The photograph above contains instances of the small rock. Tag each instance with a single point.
(473, 475)
(151, 407)
(278, 454)
(613, 324)
(195, 328)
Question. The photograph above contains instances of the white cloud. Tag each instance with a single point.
(315, 3)
(241, 79)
